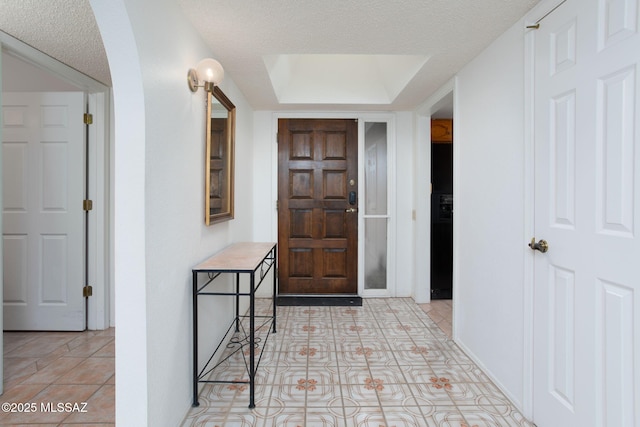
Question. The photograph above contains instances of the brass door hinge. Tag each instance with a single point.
(88, 118)
(87, 205)
(87, 291)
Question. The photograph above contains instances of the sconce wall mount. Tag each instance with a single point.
(207, 74)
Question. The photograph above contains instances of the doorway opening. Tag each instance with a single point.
(441, 206)
(434, 200)
(25, 69)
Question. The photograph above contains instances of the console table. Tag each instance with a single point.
(254, 259)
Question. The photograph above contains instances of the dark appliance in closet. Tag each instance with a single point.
(441, 209)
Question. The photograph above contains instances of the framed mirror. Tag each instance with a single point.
(219, 157)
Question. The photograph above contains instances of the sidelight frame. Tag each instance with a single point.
(390, 216)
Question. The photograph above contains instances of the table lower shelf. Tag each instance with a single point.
(237, 350)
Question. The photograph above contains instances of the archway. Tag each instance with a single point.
(129, 210)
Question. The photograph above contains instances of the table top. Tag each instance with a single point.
(246, 256)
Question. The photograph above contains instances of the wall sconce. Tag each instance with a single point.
(209, 72)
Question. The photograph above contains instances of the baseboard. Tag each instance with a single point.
(319, 300)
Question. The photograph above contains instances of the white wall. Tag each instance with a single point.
(405, 135)
(489, 218)
(265, 178)
(159, 204)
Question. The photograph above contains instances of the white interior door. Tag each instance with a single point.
(587, 204)
(43, 182)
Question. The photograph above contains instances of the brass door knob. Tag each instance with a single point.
(541, 246)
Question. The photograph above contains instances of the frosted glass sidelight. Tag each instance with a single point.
(375, 258)
(375, 147)
(375, 205)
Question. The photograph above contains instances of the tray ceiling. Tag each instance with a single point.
(334, 54)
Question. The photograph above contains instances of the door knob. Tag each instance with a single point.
(351, 210)
(541, 246)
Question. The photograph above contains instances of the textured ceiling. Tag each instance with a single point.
(246, 36)
(63, 29)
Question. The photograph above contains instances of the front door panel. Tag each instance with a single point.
(317, 206)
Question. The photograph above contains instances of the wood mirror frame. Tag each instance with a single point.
(219, 157)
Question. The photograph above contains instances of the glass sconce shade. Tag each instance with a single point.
(210, 71)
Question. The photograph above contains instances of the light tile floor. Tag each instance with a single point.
(383, 364)
(440, 311)
(44, 369)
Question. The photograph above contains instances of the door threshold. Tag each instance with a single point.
(319, 300)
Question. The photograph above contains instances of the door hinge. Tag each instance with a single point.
(87, 291)
(88, 119)
(87, 205)
(277, 204)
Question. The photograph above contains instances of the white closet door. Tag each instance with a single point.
(43, 183)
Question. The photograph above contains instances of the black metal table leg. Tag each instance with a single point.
(252, 342)
(275, 289)
(195, 339)
(237, 302)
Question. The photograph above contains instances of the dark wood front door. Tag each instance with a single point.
(317, 206)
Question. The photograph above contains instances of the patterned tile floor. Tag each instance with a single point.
(383, 364)
(44, 369)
